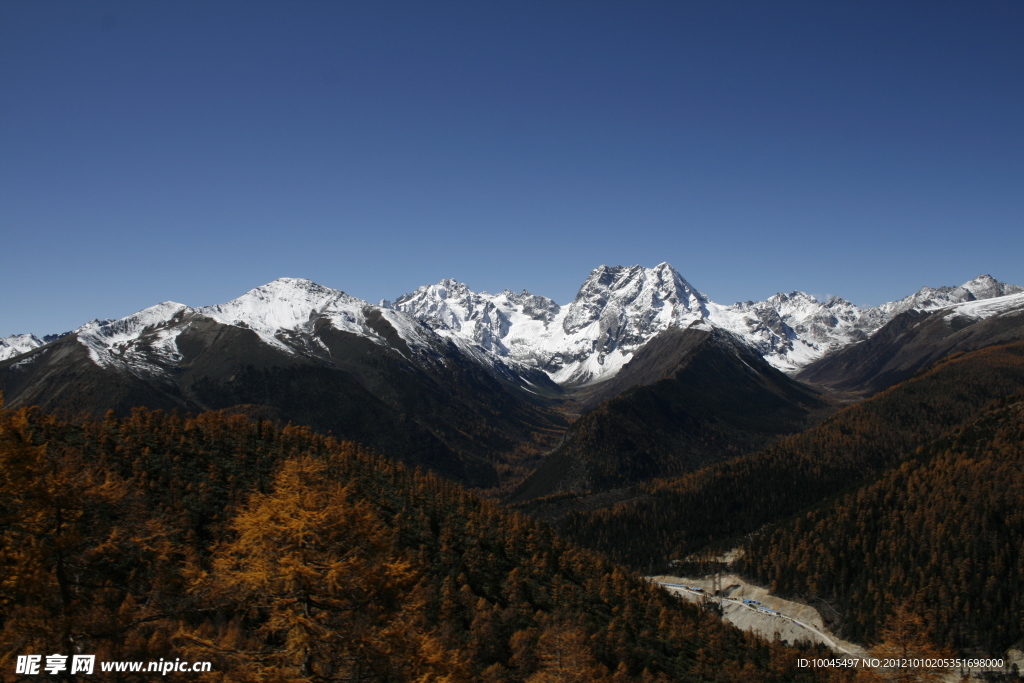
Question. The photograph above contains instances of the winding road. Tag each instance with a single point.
(825, 638)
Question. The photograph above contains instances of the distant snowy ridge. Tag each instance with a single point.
(288, 307)
(619, 309)
(17, 344)
(135, 342)
(616, 311)
(986, 308)
(927, 299)
(283, 313)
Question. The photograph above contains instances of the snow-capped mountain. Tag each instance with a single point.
(446, 377)
(17, 344)
(816, 328)
(296, 351)
(619, 309)
(616, 312)
(284, 314)
(928, 299)
(918, 337)
(791, 330)
(135, 342)
(987, 308)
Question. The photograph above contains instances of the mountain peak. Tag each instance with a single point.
(450, 287)
(284, 304)
(297, 281)
(662, 276)
(132, 324)
(795, 296)
(449, 302)
(286, 286)
(651, 287)
(17, 344)
(987, 287)
(928, 298)
(110, 342)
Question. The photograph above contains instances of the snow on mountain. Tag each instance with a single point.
(619, 309)
(484, 321)
(137, 342)
(986, 308)
(285, 314)
(791, 330)
(928, 299)
(616, 311)
(451, 308)
(17, 344)
(284, 304)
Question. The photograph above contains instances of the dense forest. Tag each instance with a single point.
(941, 535)
(726, 501)
(905, 504)
(278, 554)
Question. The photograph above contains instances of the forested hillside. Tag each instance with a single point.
(726, 501)
(433, 407)
(688, 398)
(279, 554)
(942, 535)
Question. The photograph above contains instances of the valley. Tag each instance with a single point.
(753, 608)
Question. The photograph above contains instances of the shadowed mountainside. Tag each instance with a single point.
(688, 398)
(910, 342)
(675, 517)
(940, 535)
(447, 414)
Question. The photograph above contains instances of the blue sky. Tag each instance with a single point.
(183, 151)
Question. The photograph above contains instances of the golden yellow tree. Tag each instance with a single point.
(565, 655)
(905, 639)
(79, 558)
(323, 594)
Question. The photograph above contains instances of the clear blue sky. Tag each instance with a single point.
(190, 151)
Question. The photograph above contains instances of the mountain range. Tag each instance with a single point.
(473, 385)
(617, 310)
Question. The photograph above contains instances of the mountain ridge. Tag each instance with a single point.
(616, 312)
(296, 351)
(619, 309)
(916, 338)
